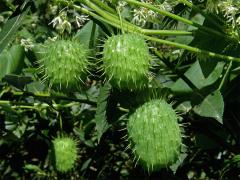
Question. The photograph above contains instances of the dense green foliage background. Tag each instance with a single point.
(204, 90)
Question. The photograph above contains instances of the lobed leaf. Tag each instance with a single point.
(100, 116)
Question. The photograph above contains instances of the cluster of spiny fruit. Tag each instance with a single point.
(153, 129)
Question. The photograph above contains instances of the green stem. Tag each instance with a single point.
(178, 18)
(97, 16)
(182, 46)
(111, 17)
(117, 24)
(21, 105)
(51, 96)
(92, 38)
(166, 32)
(120, 18)
(123, 109)
(36, 106)
(225, 76)
(193, 49)
(6, 102)
(130, 27)
(104, 6)
(60, 124)
(176, 70)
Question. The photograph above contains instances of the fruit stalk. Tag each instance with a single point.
(193, 49)
(104, 6)
(53, 96)
(114, 21)
(159, 32)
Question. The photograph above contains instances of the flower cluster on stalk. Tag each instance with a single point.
(143, 15)
(64, 20)
(230, 9)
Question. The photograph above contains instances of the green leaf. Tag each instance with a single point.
(17, 81)
(87, 34)
(211, 106)
(206, 70)
(35, 87)
(100, 116)
(184, 107)
(10, 28)
(211, 42)
(180, 160)
(86, 165)
(198, 18)
(32, 167)
(11, 61)
(200, 74)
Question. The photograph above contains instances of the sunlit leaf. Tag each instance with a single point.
(211, 106)
(11, 61)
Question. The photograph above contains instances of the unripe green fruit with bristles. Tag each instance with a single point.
(155, 135)
(65, 153)
(126, 61)
(64, 63)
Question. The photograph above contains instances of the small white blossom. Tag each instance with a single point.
(80, 20)
(1, 19)
(53, 9)
(122, 3)
(238, 20)
(27, 44)
(139, 17)
(56, 21)
(61, 23)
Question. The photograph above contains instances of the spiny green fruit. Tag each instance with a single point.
(64, 63)
(155, 134)
(65, 153)
(126, 61)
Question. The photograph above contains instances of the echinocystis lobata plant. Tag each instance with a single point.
(155, 135)
(65, 153)
(64, 63)
(126, 61)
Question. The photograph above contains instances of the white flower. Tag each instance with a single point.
(27, 44)
(238, 20)
(80, 20)
(139, 17)
(61, 23)
(56, 21)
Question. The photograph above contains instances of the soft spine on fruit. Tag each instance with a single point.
(65, 153)
(64, 63)
(155, 135)
(126, 61)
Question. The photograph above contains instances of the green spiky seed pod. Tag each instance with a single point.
(155, 134)
(64, 63)
(126, 61)
(65, 153)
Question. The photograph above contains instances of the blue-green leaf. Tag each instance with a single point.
(198, 76)
(211, 106)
